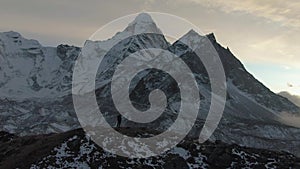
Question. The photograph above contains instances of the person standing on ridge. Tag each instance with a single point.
(119, 119)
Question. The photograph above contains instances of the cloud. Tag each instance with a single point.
(281, 49)
(290, 119)
(286, 67)
(259, 31)
(285, 12)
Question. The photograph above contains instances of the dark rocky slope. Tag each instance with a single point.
(74, 149)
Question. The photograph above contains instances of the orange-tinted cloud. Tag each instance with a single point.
(285, 12)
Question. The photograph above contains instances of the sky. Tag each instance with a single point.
(264, 35)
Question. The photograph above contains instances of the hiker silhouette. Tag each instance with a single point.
(119, 119)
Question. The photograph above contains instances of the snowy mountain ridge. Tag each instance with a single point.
(35, 88)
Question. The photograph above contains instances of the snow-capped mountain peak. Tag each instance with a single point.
(14, 43)
(143, 23)
(191, 35)
(192, 39)
(29, 70)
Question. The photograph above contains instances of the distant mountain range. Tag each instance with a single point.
(36, 81)
(293, 98)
